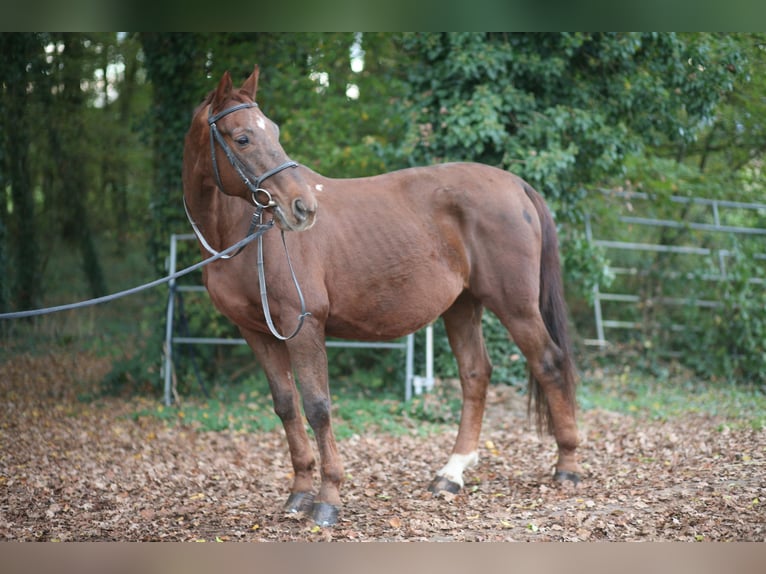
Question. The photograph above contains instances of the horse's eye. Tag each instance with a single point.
(242, 140)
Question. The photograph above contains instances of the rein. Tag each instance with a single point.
(262, 200)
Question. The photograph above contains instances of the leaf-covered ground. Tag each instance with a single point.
(75, 470)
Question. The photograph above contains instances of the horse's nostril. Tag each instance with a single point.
(300, 210)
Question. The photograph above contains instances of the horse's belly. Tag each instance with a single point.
(391, 311)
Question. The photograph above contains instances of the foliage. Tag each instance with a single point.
(569, 112)
(562, 110)
(729, 342)
(719, 331)
(21, 260)
(63, 88)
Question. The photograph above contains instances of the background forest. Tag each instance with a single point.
(92, 136)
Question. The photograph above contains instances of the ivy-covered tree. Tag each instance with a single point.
(174, 65)
(21, 60)
(563, 110)
(71, 154)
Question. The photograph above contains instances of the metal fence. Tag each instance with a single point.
(712, 210)
(412, 383)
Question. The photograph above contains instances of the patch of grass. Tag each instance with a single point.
(667, 397)
(241, 406)
(246, 406)
(358, 409)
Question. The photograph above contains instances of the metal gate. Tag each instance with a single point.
(711, 209)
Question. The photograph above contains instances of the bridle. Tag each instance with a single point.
(262, 200)
(238, 165)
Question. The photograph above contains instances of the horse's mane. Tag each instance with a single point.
(235, 95)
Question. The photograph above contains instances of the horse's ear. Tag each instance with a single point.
(223, 92)
(250, 87)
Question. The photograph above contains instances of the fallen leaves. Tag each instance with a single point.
(72, 470)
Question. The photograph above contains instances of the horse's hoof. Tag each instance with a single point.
(299, 502)
(443, 484)
(325, 514)
(562, 476)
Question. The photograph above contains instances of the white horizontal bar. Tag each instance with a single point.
(651, 247)
(681, 199)
(236, 341)
(692, 225)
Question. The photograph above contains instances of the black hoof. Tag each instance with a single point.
(442, 484)
(562, 476)
(300, 502)
(325, 514)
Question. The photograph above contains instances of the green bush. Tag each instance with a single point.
(729, 342)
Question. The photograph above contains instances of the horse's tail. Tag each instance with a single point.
(553, 309)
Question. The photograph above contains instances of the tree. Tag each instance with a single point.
(174, 65)
(21, 56)
(720, 159)
(335, 118)
(118, 105)
(563, 110)
(70, 155)
(735, 140)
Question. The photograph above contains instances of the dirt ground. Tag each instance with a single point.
(87, 471)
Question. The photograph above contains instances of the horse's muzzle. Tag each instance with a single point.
(302, 212)
(300, 217)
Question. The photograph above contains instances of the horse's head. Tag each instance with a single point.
(244, 152)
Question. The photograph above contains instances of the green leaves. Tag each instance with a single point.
(570, 112)
(562, 110)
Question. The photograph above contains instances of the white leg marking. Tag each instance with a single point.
(457, 463)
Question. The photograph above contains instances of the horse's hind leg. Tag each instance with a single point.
(549, 367)
(463, 324)
(273, 357)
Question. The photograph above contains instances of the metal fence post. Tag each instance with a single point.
(168, 365)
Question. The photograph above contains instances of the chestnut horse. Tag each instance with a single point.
(376, 258)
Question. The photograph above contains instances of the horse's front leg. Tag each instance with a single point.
(275, 360)
(308, 355)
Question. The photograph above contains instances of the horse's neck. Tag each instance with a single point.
(219, 216)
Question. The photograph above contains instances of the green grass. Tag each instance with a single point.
(246, 406)
(357, 409)
(665, 398)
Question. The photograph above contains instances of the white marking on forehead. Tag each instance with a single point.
(319, 187)
(457, 463)
(260, 123)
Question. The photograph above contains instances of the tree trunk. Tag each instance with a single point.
(174, 65)
(71, 159)
(18, 50)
